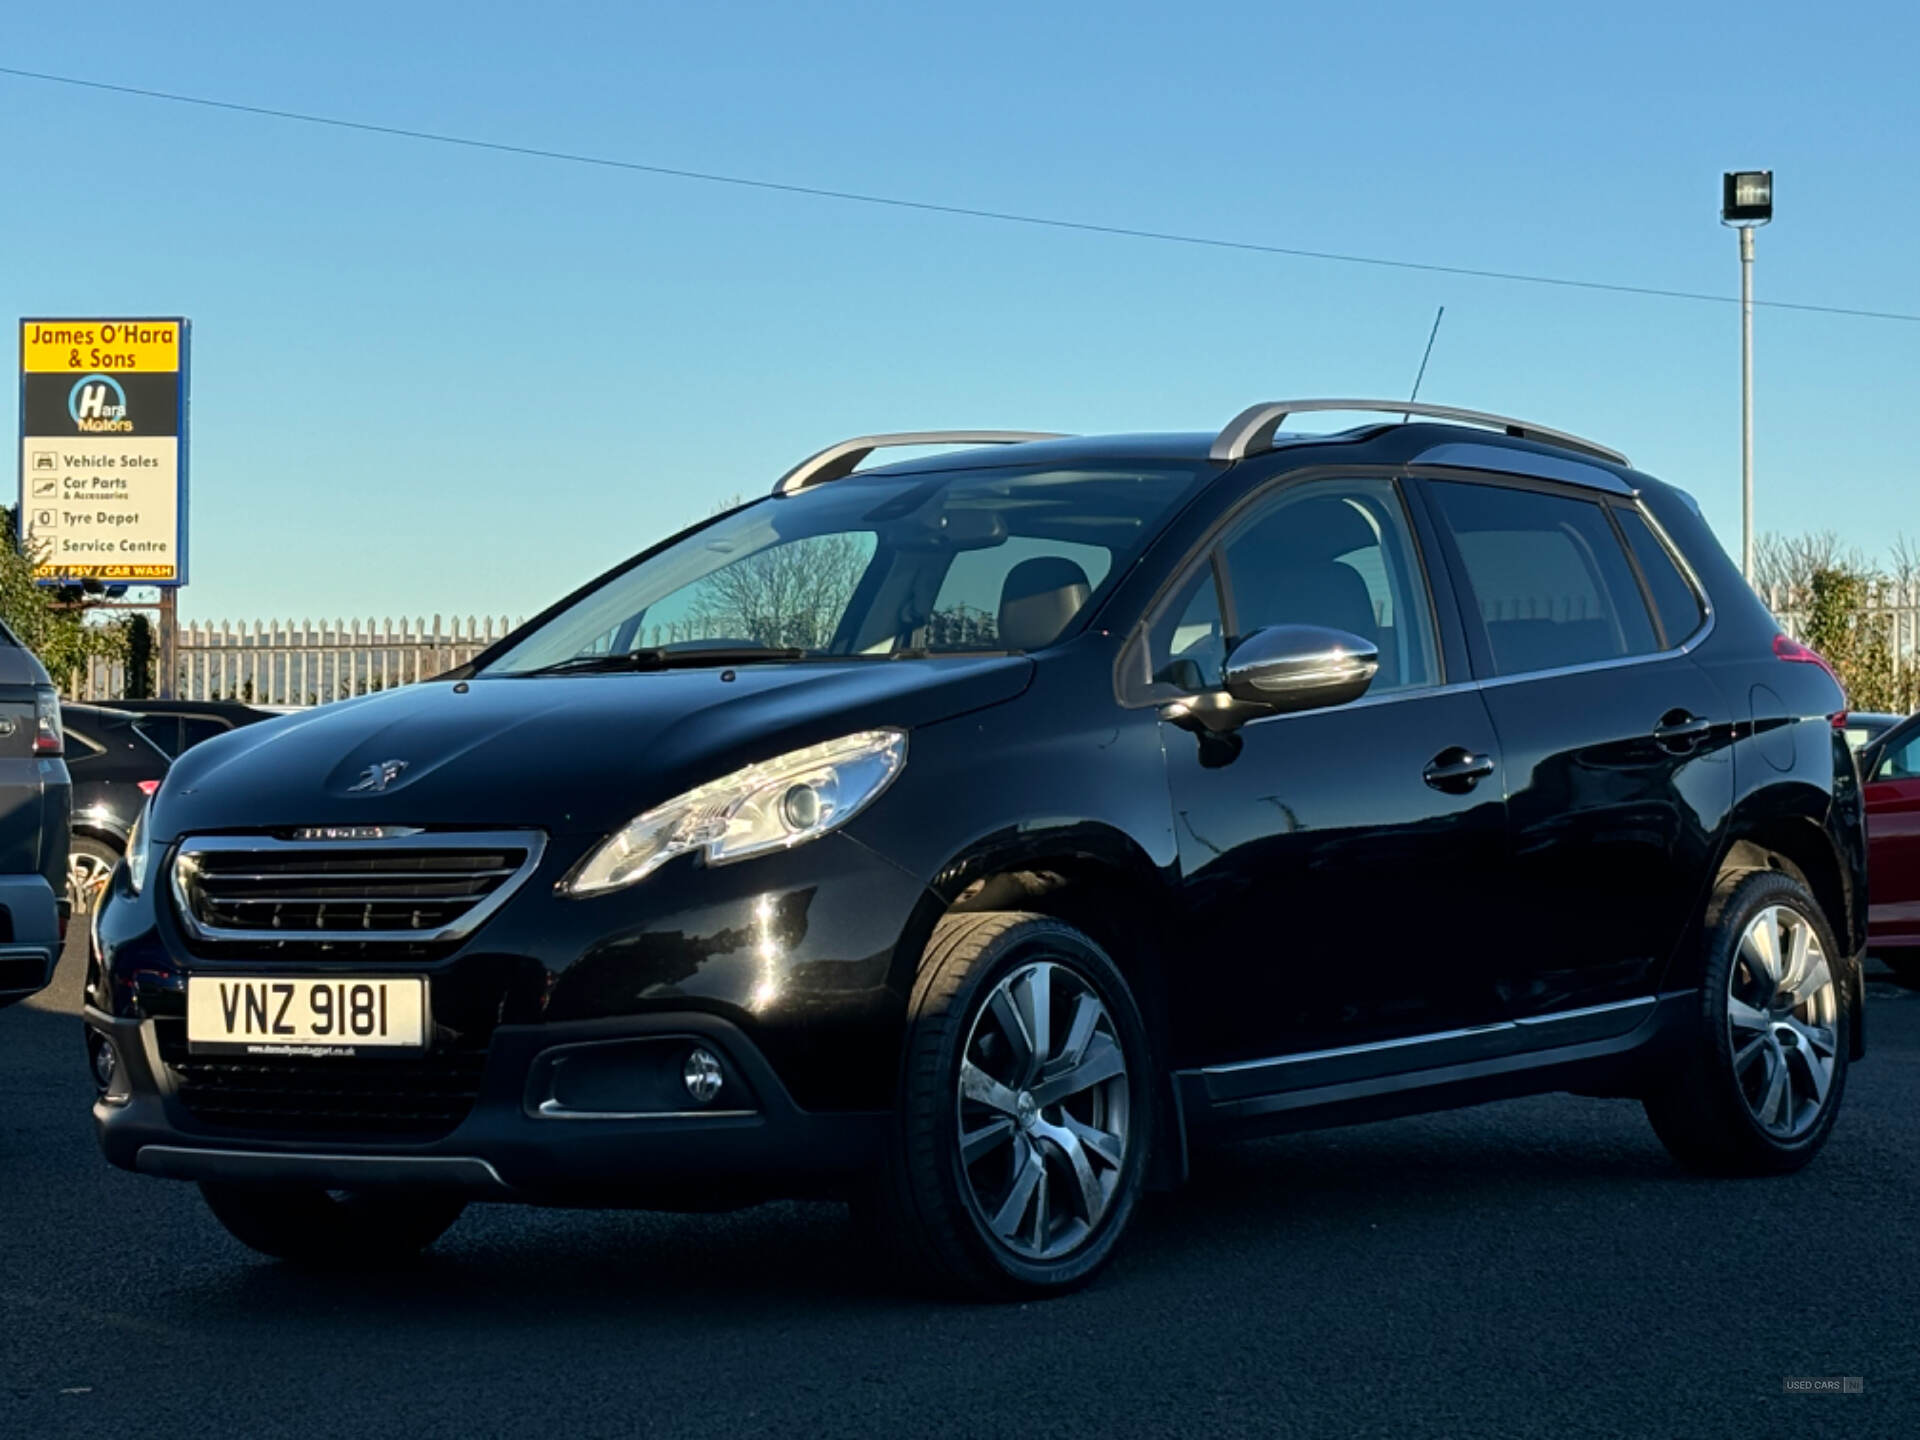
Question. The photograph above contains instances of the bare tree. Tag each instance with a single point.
(1789, 562)
(791, 594)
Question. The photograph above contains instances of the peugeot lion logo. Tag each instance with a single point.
(377, 777)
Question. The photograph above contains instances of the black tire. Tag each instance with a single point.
(923, 1205)
(90, 864)
(356, 1229)
(1905, 965)
(1700, 1109)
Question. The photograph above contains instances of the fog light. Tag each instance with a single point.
(702, 1074)
(105, 1063)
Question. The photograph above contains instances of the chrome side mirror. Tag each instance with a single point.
(1301, 667)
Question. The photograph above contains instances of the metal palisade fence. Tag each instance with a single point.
(278, 662)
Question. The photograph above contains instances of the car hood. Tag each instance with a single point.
(576, 753)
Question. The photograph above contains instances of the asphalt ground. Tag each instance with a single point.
(1536, 1268)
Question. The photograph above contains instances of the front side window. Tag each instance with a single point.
(1337, 553)
(1548, 577)
(1003, 558)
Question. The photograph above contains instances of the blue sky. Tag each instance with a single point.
(436, 380)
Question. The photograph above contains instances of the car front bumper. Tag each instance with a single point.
(580, 1113)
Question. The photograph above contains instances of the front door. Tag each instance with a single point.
(1617, 745)
(1333, 863)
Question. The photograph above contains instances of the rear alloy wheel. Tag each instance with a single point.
(1781, 1010)
(341, 1229)
(90, 865)
(1025, 1105)
(1759, 1092)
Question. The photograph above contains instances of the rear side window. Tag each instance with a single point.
(1673, 598)
(1548, 577)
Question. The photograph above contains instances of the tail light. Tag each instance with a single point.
(147, 787)
(47, 739)
(1785, 647)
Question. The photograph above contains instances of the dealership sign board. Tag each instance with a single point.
(103, 450)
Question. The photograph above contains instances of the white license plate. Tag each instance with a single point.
(304, 1015)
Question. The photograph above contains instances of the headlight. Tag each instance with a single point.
(137, 850)
(771, 806)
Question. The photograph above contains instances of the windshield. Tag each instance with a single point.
(874, 565)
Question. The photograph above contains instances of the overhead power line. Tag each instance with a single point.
(897, 202)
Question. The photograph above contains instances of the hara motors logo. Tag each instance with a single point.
(99, 406)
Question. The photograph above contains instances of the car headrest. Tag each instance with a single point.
(1038, 599)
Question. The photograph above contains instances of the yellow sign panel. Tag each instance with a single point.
(102, 347)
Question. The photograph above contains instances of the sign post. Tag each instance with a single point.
(103, 457)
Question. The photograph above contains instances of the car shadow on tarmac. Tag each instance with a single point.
(1433, 1177)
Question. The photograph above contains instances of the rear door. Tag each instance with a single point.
(1616, 743)
(1893, 840)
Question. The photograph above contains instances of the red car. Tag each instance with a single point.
(1890, 766)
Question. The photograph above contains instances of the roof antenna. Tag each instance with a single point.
(1437, 316)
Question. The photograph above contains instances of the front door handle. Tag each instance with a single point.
(1457, 770)
(1681, 730)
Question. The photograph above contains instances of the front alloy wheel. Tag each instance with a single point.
(1043, 1109)
(1026, 1102)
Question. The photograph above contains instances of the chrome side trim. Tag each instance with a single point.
(1554, 1017)
(837, 461)
(1655, 658)
(1374, 1047)
(554, 1110)
(1252, 431)
(1413, 1052)
(534, 842)
(1523, 462)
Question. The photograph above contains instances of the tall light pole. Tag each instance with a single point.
(1746, 203)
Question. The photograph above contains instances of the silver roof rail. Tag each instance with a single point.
(1251, 432)
(839, 460)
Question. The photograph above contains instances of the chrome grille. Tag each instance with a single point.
(408, 887)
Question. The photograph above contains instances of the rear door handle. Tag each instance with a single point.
(1457, 770)
(1678, 728)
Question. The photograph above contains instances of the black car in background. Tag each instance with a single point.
(177, 725)
(34, 797)
(115, 766)
(970, 836)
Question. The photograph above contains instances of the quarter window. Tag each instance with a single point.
(1548, 577)
(1673, 598)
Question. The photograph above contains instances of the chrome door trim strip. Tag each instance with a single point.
(1532, 1032)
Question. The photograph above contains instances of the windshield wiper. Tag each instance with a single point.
(665, 659)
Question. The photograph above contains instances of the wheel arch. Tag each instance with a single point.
(1797, 845)
(90, 828)
(1100, 881)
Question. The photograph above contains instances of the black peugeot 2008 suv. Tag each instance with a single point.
(972, 836)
